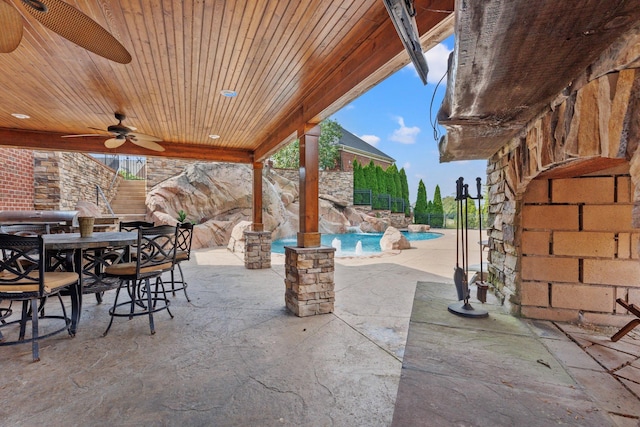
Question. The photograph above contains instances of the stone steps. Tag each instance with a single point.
(130, 199)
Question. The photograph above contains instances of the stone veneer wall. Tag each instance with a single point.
(62, 180)
(334, 183)
(590, 128)
(16, 179)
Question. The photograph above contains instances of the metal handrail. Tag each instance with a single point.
(100, 193)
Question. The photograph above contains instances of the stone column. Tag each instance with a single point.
(309, 267)
(309, 280)
(257, 249)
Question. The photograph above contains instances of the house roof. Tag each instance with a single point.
(352, 143)
(292, 63)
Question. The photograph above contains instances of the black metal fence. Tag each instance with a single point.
(128, 167)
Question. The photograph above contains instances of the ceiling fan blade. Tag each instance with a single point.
(149, 145)
(11, 24)
(78, 28)
(143, 137)
(114, 142)
(81, 135)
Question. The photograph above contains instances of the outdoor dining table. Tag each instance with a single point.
(78, 245)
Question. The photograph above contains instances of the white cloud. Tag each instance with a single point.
(437, 58)
(370, 139)
(406, 166)
(349, 107)
(404, 134)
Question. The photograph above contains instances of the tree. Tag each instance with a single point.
(359, 183)
(437, 210)
(288, 157)
(330, 133)
(420, 209)
(405, 191)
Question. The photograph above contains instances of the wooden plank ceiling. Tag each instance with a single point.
(290, 62)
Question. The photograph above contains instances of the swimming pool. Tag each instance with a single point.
(352, 244)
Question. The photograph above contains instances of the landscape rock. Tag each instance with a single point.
(418, 228)
(393, 239)
(237, 241)
(217, 197)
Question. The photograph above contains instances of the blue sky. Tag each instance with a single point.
(395, 117)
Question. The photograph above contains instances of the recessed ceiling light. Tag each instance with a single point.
(228, 93)
(20, 116)
(212, 136)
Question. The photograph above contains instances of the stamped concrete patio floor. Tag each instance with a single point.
(235, 357)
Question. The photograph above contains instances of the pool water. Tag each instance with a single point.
(352, 244)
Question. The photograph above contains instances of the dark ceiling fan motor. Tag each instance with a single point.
(119, 129)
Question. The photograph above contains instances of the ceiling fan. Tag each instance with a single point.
(121, 134)
(63, 19)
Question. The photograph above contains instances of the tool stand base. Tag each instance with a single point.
(466, 310)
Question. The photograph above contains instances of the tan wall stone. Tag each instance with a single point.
(607, 218)
(550, 269)
(550, 217)
(584, 244)
(584, 190)
(535, 293)
(583, 297)
(612, 272)
(535, 242)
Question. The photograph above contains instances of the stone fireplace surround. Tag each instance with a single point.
(562, 202)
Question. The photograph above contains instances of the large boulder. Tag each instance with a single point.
(418, 228)
(393, 239)
(371, 224)
(217, 196)
(237, 240)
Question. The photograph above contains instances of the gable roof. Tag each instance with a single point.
(350, 142)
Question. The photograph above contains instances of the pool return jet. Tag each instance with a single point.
(461, 272)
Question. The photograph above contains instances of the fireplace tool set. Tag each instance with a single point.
(461, 272)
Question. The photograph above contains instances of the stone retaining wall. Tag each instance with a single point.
(63, 179)
(337, 184)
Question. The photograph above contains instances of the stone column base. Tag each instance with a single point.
(257, 249)
(309, 280)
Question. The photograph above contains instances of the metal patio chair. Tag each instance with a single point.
(183, 253)
(23, 278)
(155, 253)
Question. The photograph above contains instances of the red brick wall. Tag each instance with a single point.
(346, 160)
(16, 179)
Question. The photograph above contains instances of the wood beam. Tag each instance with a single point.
(308, 237)
(382, 50)
(50, 141)
(257, 197)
